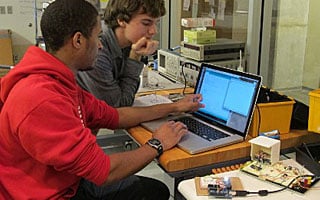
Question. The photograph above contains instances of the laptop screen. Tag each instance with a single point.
(229, 97)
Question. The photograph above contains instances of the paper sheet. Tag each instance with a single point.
(151, 99)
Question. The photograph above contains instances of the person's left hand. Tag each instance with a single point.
(190, 103)
(145, 46)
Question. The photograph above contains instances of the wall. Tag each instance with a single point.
(240, 20)
(311, 73)
(290, 47)
(21, 22)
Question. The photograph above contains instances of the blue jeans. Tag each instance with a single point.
(131, 188)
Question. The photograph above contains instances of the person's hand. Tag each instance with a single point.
(190, 103)
(170, 133)
(145, 47)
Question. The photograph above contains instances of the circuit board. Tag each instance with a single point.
(219, 187)
(287, 173)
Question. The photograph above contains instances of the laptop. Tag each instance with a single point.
(229, 97)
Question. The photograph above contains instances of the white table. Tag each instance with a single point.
(251, 183)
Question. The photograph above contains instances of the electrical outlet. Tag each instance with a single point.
(9, 10)
(2, 10)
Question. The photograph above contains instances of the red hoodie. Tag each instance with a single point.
(46, 145)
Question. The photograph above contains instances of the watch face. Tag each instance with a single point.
(154, 141)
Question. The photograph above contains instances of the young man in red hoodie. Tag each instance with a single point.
(47, 150)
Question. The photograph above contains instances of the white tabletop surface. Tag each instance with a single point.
(251, 183)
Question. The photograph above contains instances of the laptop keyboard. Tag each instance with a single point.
(201, 129)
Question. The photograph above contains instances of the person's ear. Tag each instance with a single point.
(77, 39)
(121, 22)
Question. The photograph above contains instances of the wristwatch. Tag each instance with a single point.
(156, 144)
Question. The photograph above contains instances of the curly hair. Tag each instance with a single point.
(125, 9)
(63, 18)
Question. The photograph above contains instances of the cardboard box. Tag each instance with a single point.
(6, 54)
(272, 115)
(199, 36)
(314, 114)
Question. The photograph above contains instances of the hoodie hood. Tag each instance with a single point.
(36, 61)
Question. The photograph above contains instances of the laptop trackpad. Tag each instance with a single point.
(194, 144)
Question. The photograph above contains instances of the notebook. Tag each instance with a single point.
(229, 97)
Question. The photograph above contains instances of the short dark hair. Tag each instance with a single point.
(125, 9)
(63, 18)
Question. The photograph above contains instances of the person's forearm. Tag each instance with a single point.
(132, 116)
(128, 163)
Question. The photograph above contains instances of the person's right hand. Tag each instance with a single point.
(170, 133)
(190, 103)
(145, 46)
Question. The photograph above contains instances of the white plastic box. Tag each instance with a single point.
(269, 146)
